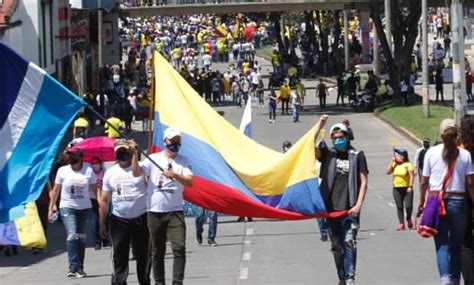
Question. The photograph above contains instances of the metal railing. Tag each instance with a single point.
(149, 3)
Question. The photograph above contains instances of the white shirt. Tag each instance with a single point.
(164, 194)
(128, 192)
(75, 186)
(435, 168)
(295, 99)
(206, 59)
(255, 77)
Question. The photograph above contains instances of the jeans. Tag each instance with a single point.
(284, 105)
(323, 227)
(260, 98)
(343, 235)
(201, 219)
(94, 222)
(296, 113)
(237, 99)
(272, 109)
(75, 222)
(122, 233)
(449, 239)
(169, 225)
(246, 97)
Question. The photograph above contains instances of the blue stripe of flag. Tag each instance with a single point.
(12, 71)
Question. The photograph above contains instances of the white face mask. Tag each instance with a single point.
(96, 167)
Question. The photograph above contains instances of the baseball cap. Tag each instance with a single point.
(337, 127)
(446, 124)
(426, 140)
(120, 143)
(402, 151)
(171, 133)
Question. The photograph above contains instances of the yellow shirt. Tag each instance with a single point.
(401, 177)
(176, 53)
(285, 91)
(81, 123)
(300, 88)
(114, 122)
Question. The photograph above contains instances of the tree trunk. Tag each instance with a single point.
(275, 17)
(335, 46)
(323, 38)
(404, 31)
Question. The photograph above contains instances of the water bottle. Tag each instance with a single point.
(54, 217)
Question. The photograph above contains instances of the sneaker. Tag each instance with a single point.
(199, 238)
(324, 237)
(80, 273)
(97, 246)
(401, 227)
(273, 121)
(350, 282)
(72, 274)
(270, 121)
(249, 219)
(212, 242)
(241, 219)
(410, 224)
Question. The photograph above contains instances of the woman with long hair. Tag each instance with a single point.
(74, 181)
(438, 160)
(403, 177)
(466, 139)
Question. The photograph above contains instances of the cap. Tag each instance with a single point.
(120, 143)
(401, 151)
(447, 124)
(171, 133)
(337, 127)
(426, 140)
(77, 152)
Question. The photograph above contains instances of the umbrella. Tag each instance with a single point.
(101, 147)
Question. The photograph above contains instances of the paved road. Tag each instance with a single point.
(267, 251)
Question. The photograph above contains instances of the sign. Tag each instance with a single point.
(79, 29)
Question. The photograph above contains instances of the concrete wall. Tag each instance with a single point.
(111, 52)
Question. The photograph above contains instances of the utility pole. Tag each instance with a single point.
(388, 24)
(459, 84)
(376, 52)
(100, 43)
(346, 40)
(426, 79)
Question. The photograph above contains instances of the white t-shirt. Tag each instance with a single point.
(75, 186)
(435, 168)
(128, 192)
(255, 77)
(295, 99)
(206, 59)
(164, 194)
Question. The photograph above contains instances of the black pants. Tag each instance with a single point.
(122, 232)
(285, 105)
(468, 250)
(322, 101)
(439, 91)
(401, 197)
(340, 96)
(169, 225)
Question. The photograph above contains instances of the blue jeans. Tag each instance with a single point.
(343, 235)
(296, 113)
(323, 227)
(449, 239)
(75, 222)
(201, 219)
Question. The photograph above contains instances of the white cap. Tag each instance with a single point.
(338, 127)
(171, 133)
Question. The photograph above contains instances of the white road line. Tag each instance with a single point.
(391, 204)
(247, 256)
(244, 273)
(379, 197)
(247, 241)
(372, 234)
(249, 232)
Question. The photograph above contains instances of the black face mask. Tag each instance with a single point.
(426, 145)
(123, 156)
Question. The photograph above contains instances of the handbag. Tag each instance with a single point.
(434, 208)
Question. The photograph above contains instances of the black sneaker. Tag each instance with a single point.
(72, 274)
(199, 238)
(80, 273)
(241, 219)
(324, 237)
(97, 246)
(212, 243)
(249, 219)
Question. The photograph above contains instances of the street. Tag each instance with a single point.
(267, 251)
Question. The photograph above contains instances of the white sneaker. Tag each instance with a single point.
(270, 121)
(273, 121)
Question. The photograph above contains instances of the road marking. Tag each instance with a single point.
(249, 232)
(244, 273)
(247, 256)
(247, 241)
(379, 197)
(372, 234)
(391, 204)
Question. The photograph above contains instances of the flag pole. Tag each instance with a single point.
(123, 135)
(152, 105)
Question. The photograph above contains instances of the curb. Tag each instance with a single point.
(407, 134)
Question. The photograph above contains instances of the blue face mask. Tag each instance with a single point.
(174, 147)
(340, 144)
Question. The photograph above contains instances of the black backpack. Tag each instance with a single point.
(421, 158)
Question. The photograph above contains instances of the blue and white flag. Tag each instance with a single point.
(246, 123)
(35, 113)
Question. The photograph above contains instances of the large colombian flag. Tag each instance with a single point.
(232, 173)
